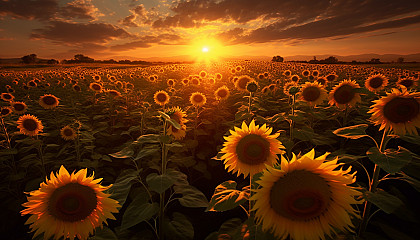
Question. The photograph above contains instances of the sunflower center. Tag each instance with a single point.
(7, 96)
(49, 100)
(96, 87)
(331, 77)
(198, 98)
(253, 149)
(222, 93)
(242, 82)
(311, 94)
(30, 124)
(5, 111)
(407, 83)
(72, 202)
(376, 82)
(68, 132)
(400, 110)
(344, 94)
(161, 97)
(300, 195)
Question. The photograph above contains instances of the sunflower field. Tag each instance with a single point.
(218, 151)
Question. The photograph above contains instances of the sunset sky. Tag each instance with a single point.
(138, 29)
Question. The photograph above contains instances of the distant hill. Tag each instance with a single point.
(359, 57)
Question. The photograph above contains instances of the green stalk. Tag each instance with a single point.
(162, 195)
(372, 188)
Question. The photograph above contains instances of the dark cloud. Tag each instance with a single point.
(29, 9)
(148, 41)
(82, 9)
(340, 18)
(76, 33)
(191, 13)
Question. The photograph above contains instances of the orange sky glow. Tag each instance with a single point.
(135, 30)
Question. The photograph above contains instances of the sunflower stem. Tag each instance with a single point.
(9, 145)
(249, 105)
(291, 120)
(162, 195)
(372, 188)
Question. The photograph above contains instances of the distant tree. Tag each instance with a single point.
(52, 61)
(400, 60)
(375, 60)
(277, 59)
(31, 58)
(331, 59)
(83, 59)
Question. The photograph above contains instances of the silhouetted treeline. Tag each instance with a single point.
(80, 58)
(334, 60)
(32, 58)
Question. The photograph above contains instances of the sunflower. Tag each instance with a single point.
(322, 81)
(407, 82)
(7, 97)
(203, 74)
(96, 87)
(306, 73)
(178, 134)
(5, 111)
(295, 78)
(113, 93)
(313, 93)
(161, 97)
(331, 77)
(222, 93)
(250, 148)
(306, 198)
(219, 76)
(18, 107)
(97, 78)
(177, 114)
(399, 111)
(68, 133)
(69, 206)
(376, 82)
(76, 88)
(344, 95)
(290, 88)
(242, 81)
(287, 73)
(252, 86)
(170, 82)
(198, 99)
(48, 101)
(315, 73)
(29, 125)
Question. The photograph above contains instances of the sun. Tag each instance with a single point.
(206, 50)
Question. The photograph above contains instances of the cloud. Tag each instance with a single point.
(25, 9)
(82, 9)
(76, 33)
(192, 13)
(341, 18)
(139, 15)
(148, 41)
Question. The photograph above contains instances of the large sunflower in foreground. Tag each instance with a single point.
(306, 198)
(177, 115)
(344, 94)
(69, 206)
(313, 93)
(250, 148)
(29, 125)
(399, 111)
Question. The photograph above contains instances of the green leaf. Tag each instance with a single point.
(412, 181)
(174, 123)
(352, 132)
(191, 196)
(414, 139)
(178, 228)
(147, 138)
(159, 183)
(304, 134)
(178, 177)
(126, 152)
(164, 115)
(226, 197)
(122, 185)
(139, 210)
(8, 151)
(145, 152)
(383, 200)
(104, 234)
(391, 160)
